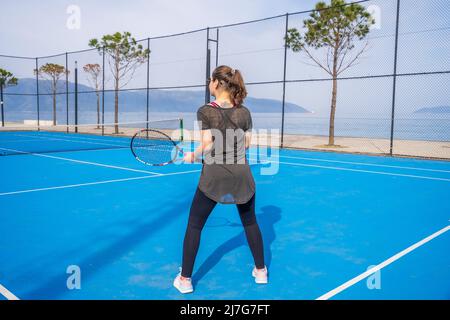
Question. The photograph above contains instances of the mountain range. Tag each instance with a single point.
(129, 100)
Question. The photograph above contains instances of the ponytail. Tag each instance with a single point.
(233, 82)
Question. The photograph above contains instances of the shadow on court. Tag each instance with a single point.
(94, 263)
(266, 220)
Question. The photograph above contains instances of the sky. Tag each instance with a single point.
(40, 28)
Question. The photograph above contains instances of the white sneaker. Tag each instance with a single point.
(260, 275)
(184, 286)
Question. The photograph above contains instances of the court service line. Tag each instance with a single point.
(365, 171)
(83, 162)
(7, 294)
(96, 183)
(361, 163)
(380, 266)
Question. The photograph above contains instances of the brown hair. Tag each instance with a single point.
(231, 80)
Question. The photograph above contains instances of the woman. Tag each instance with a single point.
(226, 176)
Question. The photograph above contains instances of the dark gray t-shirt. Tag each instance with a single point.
(226, 175)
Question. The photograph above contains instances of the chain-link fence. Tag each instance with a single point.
(393, 100)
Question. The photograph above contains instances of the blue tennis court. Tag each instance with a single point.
(326, 219)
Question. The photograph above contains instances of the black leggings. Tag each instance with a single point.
(200, 210)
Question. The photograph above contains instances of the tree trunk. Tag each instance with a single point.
(332, 112)
(54, 104)
(116, 110)
(98, 107)
(333, 98)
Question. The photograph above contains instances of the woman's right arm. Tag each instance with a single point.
(205, 137)
(205, 145)
(248, 132)
(248, 139)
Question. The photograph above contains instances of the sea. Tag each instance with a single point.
(420, 126)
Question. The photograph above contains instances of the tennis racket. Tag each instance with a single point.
(155, 148)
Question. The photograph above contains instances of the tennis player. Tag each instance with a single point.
(226, 177)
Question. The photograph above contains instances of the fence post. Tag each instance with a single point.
(76, 97)
(1, 103)
(103, 91)
(394, 84)
(148, 80)
(37, 90)
(284, 79)
(67, 93)
(217, 47)
(208, 67)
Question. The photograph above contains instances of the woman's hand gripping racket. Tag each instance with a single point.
(155, 148)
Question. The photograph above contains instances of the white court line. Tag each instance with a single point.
(362, 163)
(119, 147)
(95, 183)
(98, 164)
(82, 162)
(46, 138)
(68, 137)
(365, 171)
(16, 141)
(7, 294)
(72, 137)
(103, 140)
(364, 275)
(336, 161)
(79, 137)
(282, 162)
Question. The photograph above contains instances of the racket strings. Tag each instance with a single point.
(154, 147)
